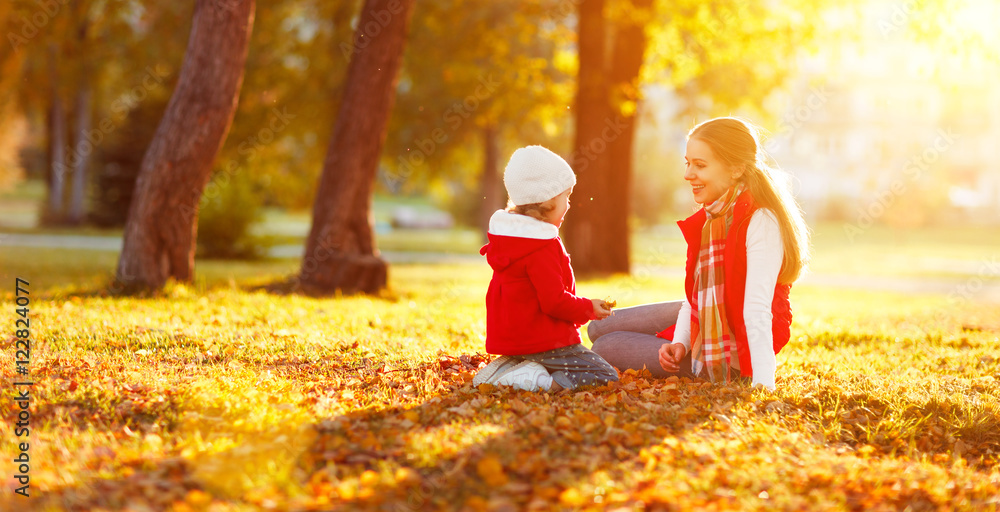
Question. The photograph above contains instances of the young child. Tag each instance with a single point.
(533, 314)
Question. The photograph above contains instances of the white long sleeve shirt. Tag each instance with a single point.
(765, 252)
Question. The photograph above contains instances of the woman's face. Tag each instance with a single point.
(709, 177)
(561, 204)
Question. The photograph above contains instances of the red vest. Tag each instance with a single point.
(735, 264)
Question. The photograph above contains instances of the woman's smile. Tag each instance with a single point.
(708, 176)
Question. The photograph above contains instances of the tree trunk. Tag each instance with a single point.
(584, 229)
(82, 147)
(491, 185)
(57, 146)
(161, 230)
(81, 154)
(597, 231)
(628, 52)
(340, 252)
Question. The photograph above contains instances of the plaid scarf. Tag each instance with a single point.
(713, 345)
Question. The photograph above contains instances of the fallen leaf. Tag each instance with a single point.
(491, 471)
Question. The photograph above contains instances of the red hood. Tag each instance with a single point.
(501, 250)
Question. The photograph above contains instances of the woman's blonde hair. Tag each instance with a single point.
(737, 143)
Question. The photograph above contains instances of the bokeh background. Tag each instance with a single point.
(227, 389)
(882, 113)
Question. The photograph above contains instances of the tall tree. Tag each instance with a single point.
(159, 239)
(588, 238)
(70, 52)
(502, 77)
(10, 110)
(727, 52)
(76, 211)
(597, 233)
(57, 145)
(628, 52)
(86, 22)
(340, 252)
(295, 73)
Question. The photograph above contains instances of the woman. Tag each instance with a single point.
(746, 247)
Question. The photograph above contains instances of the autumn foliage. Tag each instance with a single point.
(227, 397)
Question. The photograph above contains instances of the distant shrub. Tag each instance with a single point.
(228, 211)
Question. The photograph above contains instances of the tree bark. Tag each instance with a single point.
(597, 231)
(160, 234)
(81, 154)
(83, 148)
(341, 253)
(628, 52)
(585, 228)
(491, 181)
(57, 146)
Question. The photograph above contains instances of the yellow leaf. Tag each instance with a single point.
(519, 407)
(477, 503)
(572, 497)
(346, 491)
(491, 470)
(197, 499)
(407, 475)
(369, 478)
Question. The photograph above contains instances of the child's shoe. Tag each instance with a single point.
(528, 375)
(496, 369)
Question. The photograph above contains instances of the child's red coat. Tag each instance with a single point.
(531, 304)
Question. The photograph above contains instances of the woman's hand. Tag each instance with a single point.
(671, 355)
(599, 312)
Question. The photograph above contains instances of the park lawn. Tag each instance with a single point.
(220, 395)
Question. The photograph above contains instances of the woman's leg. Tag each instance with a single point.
(635, 350)
(575, 366)
(645, 319)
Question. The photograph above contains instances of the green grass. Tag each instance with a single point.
(217, 395)
(953, 252)
(20, 207)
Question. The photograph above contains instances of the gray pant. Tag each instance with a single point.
(574, 366)
(627, 339)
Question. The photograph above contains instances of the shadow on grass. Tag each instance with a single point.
(429, 440)
(455, 447)
(290, 285)
(494, 447)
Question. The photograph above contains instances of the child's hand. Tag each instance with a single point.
(670, 357)
(600, 312)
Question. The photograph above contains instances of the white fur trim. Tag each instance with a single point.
(504, 223)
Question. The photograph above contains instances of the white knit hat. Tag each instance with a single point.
(535, 175)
